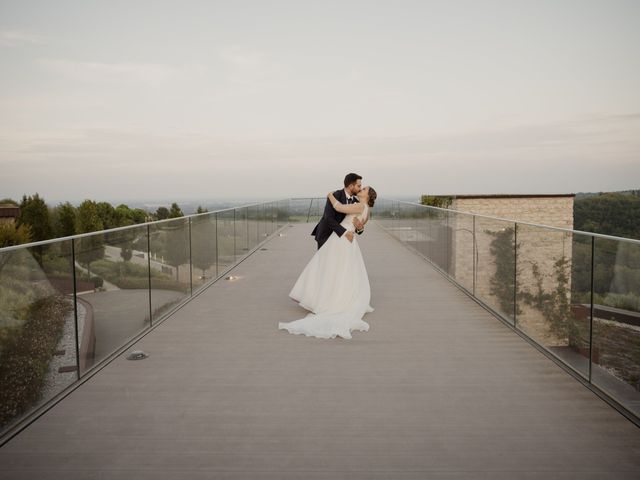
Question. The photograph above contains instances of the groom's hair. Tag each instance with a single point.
(351, 178)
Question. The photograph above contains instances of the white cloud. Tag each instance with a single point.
(16, 38)
(241, 57)
(99, 72)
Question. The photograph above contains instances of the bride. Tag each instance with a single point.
(334, 285)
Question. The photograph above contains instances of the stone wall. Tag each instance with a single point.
(536, 246)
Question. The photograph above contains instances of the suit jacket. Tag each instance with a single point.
(331, 219)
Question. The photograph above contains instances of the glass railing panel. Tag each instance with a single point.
(252, 227)
(38, 355)
(112, 282)
(438, 238)
(616, 321)
(553, 292)
(495, 265)
(170, 265)
(260, 223)
(226, 240)
(317, 211)
(271, 218)
(422, 230)
(406, 219)
(203, 249)
(241, 233)
(383, 213)
(407, 226)
(302, 210)
(282, 213)
(461, 249)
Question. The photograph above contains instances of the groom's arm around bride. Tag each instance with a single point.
(330, 221)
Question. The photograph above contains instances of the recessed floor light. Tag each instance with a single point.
(137, 355)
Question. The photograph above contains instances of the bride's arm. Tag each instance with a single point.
(359, 222)
(342, 208)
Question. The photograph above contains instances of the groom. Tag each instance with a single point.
(330, 221)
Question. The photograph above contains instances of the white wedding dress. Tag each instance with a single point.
(334, 287)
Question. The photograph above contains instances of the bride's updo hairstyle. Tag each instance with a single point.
(372, 197)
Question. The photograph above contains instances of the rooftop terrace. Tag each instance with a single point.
(440, 387)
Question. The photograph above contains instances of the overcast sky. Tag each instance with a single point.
(149, 99)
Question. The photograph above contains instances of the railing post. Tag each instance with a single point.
(430, 241)
(235, 247)
(593, 261)
(515, 274)
(190, 260)
(447, 243)
(474, 254)
(75, 305)
(217, 241)
(149, 273)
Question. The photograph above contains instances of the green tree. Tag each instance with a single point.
(89, 219)
(441, 201)
(162, 213)
(64, 220)
(89, 248)
(139, 215)
(123, 215)
(11, 235)
(175, 211)
(107, 215)
(201, 210)
(35, 214)
(613, 213)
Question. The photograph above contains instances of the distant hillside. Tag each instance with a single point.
(609, 213)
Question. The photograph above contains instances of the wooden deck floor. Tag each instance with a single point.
(438, 389)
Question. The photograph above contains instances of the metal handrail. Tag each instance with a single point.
(128, 227)
(511, 220)
(157, 222)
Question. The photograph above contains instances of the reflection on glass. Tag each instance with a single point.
(170, 268)
(241, 233)
(495, 266)
(554, 292)
(422, 231)
(252, 227)
(112, 281)
(124, 279)
(226, 240)
(616, 321)
(438, 239)
(461, 249)
(38, 356)
(203, 249)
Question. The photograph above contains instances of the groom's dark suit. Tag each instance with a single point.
(331, 219)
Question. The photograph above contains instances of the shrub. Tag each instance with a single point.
(26, 354)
